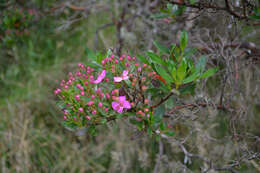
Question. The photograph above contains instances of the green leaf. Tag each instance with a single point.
(174, 74)
(162, 48)
(191, 78)
(162, 126)
(158, 113)
(181, 71)
(164, 74)
(184, 40)
(160, 15)
(149, 131)
(200, 66)
(209, 73)
(155, 58)
(170, 133)
(143, 59)
(189, 89)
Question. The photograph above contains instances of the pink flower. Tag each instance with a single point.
(92, 97)
(90, 103)
(82, 93)
(88, 117)
(100, 104)
(127, 64)
(65, 117)
(78, 86)
(100, 77)
(107, 96)
(106, 109)
(80, 109)
(77, 97)
(121, 104)
(94, 112)
(123, 77)
(57, 91)
(102, 95)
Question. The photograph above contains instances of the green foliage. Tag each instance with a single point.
(178, 68)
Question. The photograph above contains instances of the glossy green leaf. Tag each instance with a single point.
(200, 66)
(191, 78)
(160, 15)
(209, 73)
(155, 58)
(161, 47)
(184, 40)
(163, 73)
(170, 133)
(143, 59)
(181, 71)
(158, 113)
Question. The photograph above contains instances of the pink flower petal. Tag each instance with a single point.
(100, 77)
(120, 110)
(125, 77)
(121, 98)
(127, 105)
(125, 72)
(115, 105)
(118, 79)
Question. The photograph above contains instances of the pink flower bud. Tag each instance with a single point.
(90, 103)
(92, 97)
(77, 97)
(74, 118)
(106, 109)
(78, 86)
(78, 74)
(94, 112)
(115, 91)
(82, 93)
(127, 64)
(66, 87)
(100, 104)
(69, 82)
(80, 109)
(86, 83)
(129, 58)
(134, 58)
(102, 95)
(145, 65)
(146, 101)
(116, 61)
(88, 118)
(64, 117)
(147, 115)
(107, 79)
(107, 96)
(103, 62)
(146, 109)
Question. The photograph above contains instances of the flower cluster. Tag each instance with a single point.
(92, 96)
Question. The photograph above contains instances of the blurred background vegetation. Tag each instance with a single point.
(42, 40)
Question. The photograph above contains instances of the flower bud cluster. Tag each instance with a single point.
(92, 96)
